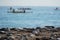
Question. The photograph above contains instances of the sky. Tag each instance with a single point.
(29, 2)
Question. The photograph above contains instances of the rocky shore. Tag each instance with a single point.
(46, 33)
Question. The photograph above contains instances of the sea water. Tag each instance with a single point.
(36, 17)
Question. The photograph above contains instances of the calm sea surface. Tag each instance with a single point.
(37, 16)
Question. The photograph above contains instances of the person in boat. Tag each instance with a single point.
(10, 8)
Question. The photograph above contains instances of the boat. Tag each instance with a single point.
(57, 8)
(19, 10)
